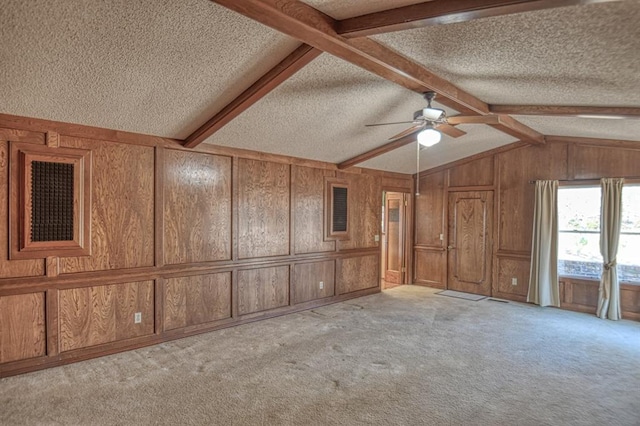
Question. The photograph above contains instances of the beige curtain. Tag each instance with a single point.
(610, 223)
(543, 277)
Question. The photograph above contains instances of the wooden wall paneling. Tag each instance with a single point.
(595, 162)
(430, 267)
(12, 268)
(22, 327)
(159, 207)
(476, 173)
(508, 269)
(197, 207)
(158, 305)
(262, 289)
(357, 273)
(263, 208)
(365, 198)
(430, 210)
(517, 167)
(397, 184)
(52, 322)
(630, 301)
(307, 189)
(579, 295)
(197, 299)
(122, 207)
(306, 279)
(101, 314)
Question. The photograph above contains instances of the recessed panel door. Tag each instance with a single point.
(470, 233)
(394, 226)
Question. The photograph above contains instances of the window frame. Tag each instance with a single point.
(592, 183)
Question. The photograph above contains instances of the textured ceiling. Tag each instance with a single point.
(342, 9)
(320, 113)
(628, 129)
(579, 55)
(149, 66)
(478, 139)
(163, 68)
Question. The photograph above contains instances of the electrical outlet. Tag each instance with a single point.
(137, 318)
(321, 285)
(376, 238)
(514, 281)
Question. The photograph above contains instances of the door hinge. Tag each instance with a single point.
(406, 203)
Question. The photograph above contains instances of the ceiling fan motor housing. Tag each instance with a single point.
(429, 114)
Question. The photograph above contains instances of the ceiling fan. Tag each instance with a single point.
(428, 123)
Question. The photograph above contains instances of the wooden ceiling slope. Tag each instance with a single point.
(443, 12)
(315, 28)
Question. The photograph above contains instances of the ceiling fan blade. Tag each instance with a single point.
(471, 119)
(449, 130)
(387, 124)
(407, 132)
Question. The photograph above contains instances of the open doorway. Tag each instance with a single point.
(394, 239)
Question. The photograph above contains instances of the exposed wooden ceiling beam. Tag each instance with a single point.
(303, 22)
(443, 12)
(567, 111)
(272, 79)
(505, 124)
(390, 146)
(311, 26)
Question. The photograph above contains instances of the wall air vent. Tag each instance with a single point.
(336, 209)
(51, 201)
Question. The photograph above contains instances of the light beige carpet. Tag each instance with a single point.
(403, 357)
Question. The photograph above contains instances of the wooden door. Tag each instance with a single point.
(394, 230)
(470, 234)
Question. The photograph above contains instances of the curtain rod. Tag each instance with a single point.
(584, 180)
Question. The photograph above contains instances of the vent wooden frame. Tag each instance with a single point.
(23, 155)
(333, 230)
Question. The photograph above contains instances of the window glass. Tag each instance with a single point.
(579, 232)
(629, 245)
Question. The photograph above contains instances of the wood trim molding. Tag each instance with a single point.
(20, 204)
(294, 62)
(442, 12)
(566, 111)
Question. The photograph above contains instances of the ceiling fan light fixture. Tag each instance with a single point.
(429, 137)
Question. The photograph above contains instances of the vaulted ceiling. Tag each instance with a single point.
(166, 68)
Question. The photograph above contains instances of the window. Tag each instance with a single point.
(49, 202)
(336, 209)
(579, 233)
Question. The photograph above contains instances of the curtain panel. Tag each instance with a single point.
(543, 278)
(610, 224)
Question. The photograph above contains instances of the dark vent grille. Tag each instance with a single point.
(339, 209)
(51, 201)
